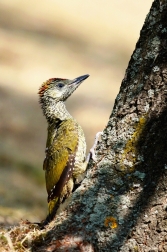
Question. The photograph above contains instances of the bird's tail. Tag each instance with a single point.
(53, 205)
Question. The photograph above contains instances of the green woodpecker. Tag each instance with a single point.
(65, 147)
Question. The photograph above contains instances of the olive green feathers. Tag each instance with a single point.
(66, 145)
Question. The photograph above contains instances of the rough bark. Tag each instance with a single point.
(121, 205)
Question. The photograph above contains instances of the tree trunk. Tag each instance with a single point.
(121, 205)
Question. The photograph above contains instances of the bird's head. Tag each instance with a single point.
(58, 89)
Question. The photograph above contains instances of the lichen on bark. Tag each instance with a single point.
(121, 204)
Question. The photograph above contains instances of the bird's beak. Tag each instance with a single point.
(79, 79)
(73, 85)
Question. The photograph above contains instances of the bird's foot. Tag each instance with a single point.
(92, 150)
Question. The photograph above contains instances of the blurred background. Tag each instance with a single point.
(44, 39)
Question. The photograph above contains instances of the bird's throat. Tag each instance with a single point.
(55, 111)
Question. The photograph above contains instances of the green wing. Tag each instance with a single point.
(61, 148)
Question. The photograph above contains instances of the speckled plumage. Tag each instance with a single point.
(66, 145)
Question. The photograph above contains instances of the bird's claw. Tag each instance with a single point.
(92, 150)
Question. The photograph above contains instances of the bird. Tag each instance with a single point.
(65, 160)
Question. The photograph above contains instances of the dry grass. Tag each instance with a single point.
(20, 238)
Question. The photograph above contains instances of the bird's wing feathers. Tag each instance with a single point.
(65, 176)
(60, 158)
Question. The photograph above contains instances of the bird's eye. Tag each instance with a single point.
(60, 85)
